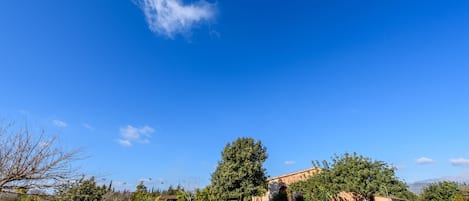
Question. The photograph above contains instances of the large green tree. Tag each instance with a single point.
(184, 195)
(83, 190)
(141, 194)
(317, 187)
(240, 173)
(360, 176)
(202, 195)
(441, 191)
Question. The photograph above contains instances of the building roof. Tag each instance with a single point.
(293, 173)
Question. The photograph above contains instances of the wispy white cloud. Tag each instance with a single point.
(87, 126)
(130, 135)
(124, 142)
(460, 162)
(171, 17)
(424, 160)
(289, 162)
(60, 124)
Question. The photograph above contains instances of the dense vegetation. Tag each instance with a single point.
(240, 173)
(361, 177)
(33, 169)
(89, 190)
(443, 191)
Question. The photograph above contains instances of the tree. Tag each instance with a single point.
(441, 191)
(240, 173)
(361, 177)
(141, 194)
(32, 195)
(464, 196)
(317, 187)
(201, 195)
(32, 163)
(83, 190)
(184, 195)
(204, 194)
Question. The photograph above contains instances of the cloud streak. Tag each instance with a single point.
(424, 161)
(125, 143)
(130, 135)
(172, 17)
(459, 162)
(289, 162)
(87, 126)
(59, 123)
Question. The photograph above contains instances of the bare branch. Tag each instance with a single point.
(33, 163)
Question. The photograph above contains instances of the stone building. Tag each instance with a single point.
(281, 183)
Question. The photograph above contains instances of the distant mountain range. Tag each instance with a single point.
(418, 186)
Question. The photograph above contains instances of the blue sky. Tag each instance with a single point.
(156, 88)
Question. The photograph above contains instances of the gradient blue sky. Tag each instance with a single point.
(386, 79)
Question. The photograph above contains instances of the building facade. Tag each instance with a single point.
(282, 182)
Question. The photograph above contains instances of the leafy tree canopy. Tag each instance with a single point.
(441, 191)
(141, 193)
(361, 176)
(240, 172)
(83, 190)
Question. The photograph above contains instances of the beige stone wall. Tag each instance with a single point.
(382, 199)
(290, 178)
(284, 180)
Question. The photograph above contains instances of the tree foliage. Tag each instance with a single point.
(317, 187)
(141, 194)
(32, 162)
(360, 176)
(441, 191)
(83, 190)
(205, 194)
(201, 195)
(240, 172)
(282, 195)
(184, 195)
